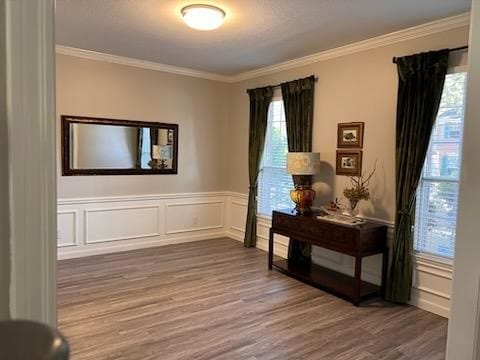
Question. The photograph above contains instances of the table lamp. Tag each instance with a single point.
(302, 165)
(160, 155)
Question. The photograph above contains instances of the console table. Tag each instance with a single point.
(357, 241)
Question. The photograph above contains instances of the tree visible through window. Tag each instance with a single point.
(274, 184)
(437, 196)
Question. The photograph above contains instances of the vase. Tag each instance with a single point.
(352, 210)
(303, 197)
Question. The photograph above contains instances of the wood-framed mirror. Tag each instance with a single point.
(99, 146)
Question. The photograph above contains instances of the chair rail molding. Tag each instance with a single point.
(32, 173)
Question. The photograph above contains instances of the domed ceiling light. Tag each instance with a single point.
(203, 17)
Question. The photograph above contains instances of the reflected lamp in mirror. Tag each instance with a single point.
(161, 157)
(303, 165)
(97, 146)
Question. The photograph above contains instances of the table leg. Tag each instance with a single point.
(270, 250)
(384, 273)
(358, 280)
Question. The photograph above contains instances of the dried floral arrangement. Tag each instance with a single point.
(359, 190)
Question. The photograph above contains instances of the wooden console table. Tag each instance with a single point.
(359, 241)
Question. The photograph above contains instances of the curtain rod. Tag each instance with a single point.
(279, 85)
(394, 60)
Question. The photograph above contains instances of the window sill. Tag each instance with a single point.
(268, 217)
(436, 261)
(264, 217)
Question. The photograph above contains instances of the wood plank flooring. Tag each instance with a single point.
(216, 300)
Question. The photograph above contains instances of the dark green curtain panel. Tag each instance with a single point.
(260, 100)
(139, 147)
(153, 139)
(421, 78)
(298, 97)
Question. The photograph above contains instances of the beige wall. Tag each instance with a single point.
(357, 87)
(4, 212)
(97, 88)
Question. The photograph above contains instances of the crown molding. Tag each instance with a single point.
(415, 32)
(94, 55)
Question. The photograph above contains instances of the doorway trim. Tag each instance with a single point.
(30, 60)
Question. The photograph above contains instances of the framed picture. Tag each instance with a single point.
(349, 162)
(350, 135)
(170, 137)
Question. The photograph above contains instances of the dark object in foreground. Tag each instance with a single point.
(29, 340)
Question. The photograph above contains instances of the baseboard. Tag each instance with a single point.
(430, 306)
(279, 248)
(119, 247)
(234, 236)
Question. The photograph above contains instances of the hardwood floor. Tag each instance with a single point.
(216, 300)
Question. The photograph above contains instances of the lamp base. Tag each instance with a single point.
(303, 197)
(158, 164)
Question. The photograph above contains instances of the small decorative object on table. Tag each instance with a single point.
(334, 205)
(302, 165)
(359, 191)
(341, 219)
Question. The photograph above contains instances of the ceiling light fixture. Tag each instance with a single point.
(203, 17)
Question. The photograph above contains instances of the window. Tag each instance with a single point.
(274, 184)
(436, 211)
(452, 130)
(146, 151)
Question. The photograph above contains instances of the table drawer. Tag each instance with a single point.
(298, 227)
(345, 238)
(317, 232)
(284, 222)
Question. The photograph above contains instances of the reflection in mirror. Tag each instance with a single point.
(93, 146)
(156, 148)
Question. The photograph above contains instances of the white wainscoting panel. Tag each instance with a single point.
(92, 226)
(371, 266)
(322, 256)
(67, 232)
(121, 223)
(432, 286)
(238, 215)
(280, 243)
(194, 216)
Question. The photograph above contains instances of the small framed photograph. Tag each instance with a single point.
(349, 162)
(170, 137)
(350, 135)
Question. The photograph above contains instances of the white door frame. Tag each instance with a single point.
(30, 53)
(463, 328)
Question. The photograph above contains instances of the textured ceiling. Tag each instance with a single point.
(256, 33)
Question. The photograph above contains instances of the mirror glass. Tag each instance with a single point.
(105, 146)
